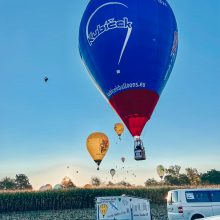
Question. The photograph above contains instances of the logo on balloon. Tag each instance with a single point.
(103, 146)
(108, 25)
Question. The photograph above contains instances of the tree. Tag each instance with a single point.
(110, 183)
(95, 181)
(7, 184)
(211, 177)
(183, 179)
(171, 180)
(124, 183)
(173, 171)
(22, 182)
(193, 176)
(67, 183)
(151, 182)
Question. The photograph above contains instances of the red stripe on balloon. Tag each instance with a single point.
(135, 108)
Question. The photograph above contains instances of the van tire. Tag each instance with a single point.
(197, 216)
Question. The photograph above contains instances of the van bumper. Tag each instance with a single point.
(177, 216)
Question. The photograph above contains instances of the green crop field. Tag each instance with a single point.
(159, 212)
(72, 199)
(74, 203)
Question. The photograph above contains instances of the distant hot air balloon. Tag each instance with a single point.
(129, 48)
(112, 172)
(45, 79)
(88, 186)
(160, 171)
(119, 128)
(97, 145)
(46, 187)
(58, 186)
(123, 160)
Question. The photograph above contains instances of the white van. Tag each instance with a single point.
(190, 204)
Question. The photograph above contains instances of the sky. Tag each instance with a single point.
(44, 126)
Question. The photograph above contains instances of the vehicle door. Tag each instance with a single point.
(215, 196)
(172, 205)
(199, 202)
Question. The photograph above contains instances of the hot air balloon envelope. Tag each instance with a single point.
(160, 171)
(112, 172)
(119, 128)
(97, 145)
(123, 159)
(129, 48)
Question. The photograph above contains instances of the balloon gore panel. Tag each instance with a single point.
(135, 108)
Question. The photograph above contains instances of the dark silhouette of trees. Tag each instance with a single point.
(173, 170)
(183, 179)
(124, 183)
(95, 181)
(22, 182)
(210, 177)
(193, 176)
(7, 184)
(151, 182)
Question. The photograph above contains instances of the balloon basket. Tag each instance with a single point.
(139, 151)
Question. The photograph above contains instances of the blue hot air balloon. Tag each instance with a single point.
(129, 48)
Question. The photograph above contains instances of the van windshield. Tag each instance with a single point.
(197, 196)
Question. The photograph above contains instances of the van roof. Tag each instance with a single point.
(197, 189)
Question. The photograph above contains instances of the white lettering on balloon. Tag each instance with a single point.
(162, 2)
(110, 24)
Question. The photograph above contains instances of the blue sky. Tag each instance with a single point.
(43, 127)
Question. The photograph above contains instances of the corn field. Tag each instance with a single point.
(76, 198)
(72, 199)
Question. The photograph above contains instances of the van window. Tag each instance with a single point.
(197, 196)
(172, 197)
(215, 195)
(169, 197)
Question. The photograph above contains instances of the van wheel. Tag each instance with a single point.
(197, 216)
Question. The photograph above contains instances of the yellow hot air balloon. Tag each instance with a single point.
(119, 128)
(160, 171)
(97, 144)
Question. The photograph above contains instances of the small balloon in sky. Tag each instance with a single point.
(45, 79)
(123, 159)
(119, 128)
(112, 172)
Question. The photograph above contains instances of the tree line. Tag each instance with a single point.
(191, 176)
(172, 177)
(20, 182)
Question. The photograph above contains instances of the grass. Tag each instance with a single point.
(76, 214)
(159, 212)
